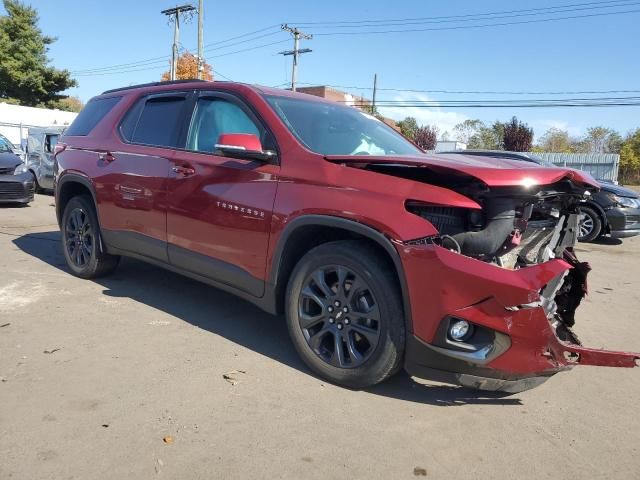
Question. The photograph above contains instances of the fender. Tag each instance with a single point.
(601, 212)
(351, 226)
(65, 178)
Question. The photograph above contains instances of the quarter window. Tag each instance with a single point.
(214, 117)
(91, 114)
(159, 123)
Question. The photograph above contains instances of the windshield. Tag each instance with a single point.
(331, 129)
(5, 146)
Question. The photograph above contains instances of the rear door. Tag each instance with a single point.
(219, 208)
(133, 180)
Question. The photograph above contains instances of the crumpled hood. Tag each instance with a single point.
(494, 172)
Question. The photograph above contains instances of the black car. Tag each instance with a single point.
(614, 210)
(16, 181)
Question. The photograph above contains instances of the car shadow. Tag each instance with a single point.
(604, 240)
(236, 320)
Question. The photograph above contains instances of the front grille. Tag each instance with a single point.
(14, 191)
(6, 170)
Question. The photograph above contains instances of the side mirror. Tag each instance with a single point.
(243, 145)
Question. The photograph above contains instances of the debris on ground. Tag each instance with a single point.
(168, 439)
(5, 325)
(52, 350)
(420, 472)
(232, 376)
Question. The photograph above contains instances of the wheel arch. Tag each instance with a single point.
(601, 213)
(309, 231)
(69, 186)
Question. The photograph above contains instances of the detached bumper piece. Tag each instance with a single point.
(517, 322)
(17, 188)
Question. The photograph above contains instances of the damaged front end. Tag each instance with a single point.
(506, 274)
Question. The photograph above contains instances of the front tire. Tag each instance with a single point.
(81, 241)
(590, 226)
(344, 314)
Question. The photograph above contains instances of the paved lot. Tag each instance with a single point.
(140, 356)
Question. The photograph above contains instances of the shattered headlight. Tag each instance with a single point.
(20, 169)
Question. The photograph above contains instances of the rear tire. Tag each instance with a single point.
(345, 315)
(590, 226)
(81, 240)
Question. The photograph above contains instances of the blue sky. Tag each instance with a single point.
(582, 54)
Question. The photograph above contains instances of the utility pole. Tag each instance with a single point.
(297, 35)
(200, 40)
(375, 87)
(174, 16)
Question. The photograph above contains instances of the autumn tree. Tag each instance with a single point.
(187, 69)
(26, 78)
(426, 137)
(518, 136)
(465, 131)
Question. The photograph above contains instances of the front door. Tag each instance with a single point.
(219, 208)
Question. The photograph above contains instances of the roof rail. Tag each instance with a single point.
(152, 84)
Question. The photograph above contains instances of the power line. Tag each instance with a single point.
(476, 92)
(543, 10)
(155, 60)
(466, 27)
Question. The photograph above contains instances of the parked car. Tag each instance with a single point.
(14, 148)
(378, 256)
(612, 210)
(16, 184)
(41, 145)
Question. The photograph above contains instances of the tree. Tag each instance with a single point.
(518, 137)
(187, 69)
(630, 157)
(465, 131)
(557, 141)
(68, 104)
(426, 137)
(25, 74)
(408, 127)
(602, 140)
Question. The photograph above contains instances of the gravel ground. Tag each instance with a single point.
(124, 378)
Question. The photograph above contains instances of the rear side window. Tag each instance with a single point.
(155, 121)
(91, 115)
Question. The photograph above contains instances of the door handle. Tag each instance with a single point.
(106, 157)
(184, 171)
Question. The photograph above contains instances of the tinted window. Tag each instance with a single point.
(90, 115)
(332, 129)
(212, 118)
(159, 123)
(50, 143)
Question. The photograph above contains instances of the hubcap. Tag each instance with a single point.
(586, 225)
(339, 316)
(79, 238)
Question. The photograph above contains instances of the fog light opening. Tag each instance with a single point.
(460, 330)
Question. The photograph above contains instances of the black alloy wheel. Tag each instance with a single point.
(79, 238)
(339, 316)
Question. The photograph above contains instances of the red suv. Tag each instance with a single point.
(379, 256)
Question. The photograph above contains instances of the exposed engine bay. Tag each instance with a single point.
(518, 226)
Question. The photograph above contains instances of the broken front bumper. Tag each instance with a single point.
(518, 343)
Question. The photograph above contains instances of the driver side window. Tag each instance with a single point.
(214, 117)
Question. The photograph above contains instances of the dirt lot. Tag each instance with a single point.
(95, 374)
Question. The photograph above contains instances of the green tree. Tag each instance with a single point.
(465, 131)
(630, 158)
(25, 73)
(602, 140)
(518, 136)
(408, 127)
(557, 141)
